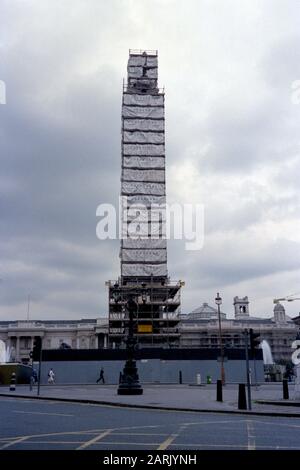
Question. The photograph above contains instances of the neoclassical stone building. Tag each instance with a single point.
(200, 328)
(78, 334)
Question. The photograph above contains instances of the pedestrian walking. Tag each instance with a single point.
(34, 376)
(101, 376)
(51, 376)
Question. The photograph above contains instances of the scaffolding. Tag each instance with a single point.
(158, 310)
(143, 253)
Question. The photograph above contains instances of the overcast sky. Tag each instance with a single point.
(232, 144)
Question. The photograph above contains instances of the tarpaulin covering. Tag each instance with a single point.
(146, 149)
(136, 60)
(135, 230)
(144, 255)
(145, 199)
(143, 175)
(143, 99)
(144, 162)
(144, 125)
(143, 112)
(143, 137)
(144, 269)
(143, 209)
(141, 72)
(142, 83)
(148, 243)
(143, 188)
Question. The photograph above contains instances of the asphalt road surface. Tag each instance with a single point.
(44, 425)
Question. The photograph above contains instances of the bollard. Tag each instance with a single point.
(242, 403)
(219, 390)
(180, 377)
(12, 387)
(285, 387)
(198, 379)
(31, 383)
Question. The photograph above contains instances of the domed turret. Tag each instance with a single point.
(279, 313)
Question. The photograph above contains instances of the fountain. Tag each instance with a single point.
(267, 353)
(273, 372)
(22, 371)
(4, 353)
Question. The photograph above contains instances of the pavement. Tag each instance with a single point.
(266, 398)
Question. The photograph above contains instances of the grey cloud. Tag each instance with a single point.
(63, 63)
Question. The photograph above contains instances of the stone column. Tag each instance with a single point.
(18, 359)
(105, 341)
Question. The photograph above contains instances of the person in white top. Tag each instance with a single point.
(51, 376)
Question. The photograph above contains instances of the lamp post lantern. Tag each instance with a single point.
(218, 301)
(129, 379)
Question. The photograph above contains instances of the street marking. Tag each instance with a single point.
(242, 446)
(116, 443)
(54, 442)
(164, 445)
(96, 439)
(251, 435)
(16, 441)
(279, 424)
(140, 434)
(40, 413)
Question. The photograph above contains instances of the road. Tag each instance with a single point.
(48, 425)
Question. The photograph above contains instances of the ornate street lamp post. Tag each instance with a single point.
(218, 301)
(129, 381)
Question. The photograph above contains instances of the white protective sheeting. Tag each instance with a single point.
(143, 100)
(143, 175)
(152, 73)
(147, 149)
(140, 60)
(143, 188)
(135, 72)
(150, 256)
(142, 83)
(140, 213)
(143, 137)
(143, 112)
(140, 72)
(143, 125)
(144, 162)
(134, 231)
(147, 200)
(142, 243)
(144, 269)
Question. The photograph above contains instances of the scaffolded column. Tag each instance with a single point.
(143, 170)
(143, 253)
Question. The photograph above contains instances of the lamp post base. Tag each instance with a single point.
(129, 382)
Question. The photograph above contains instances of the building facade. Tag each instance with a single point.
(200, 329)
(18, 336)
